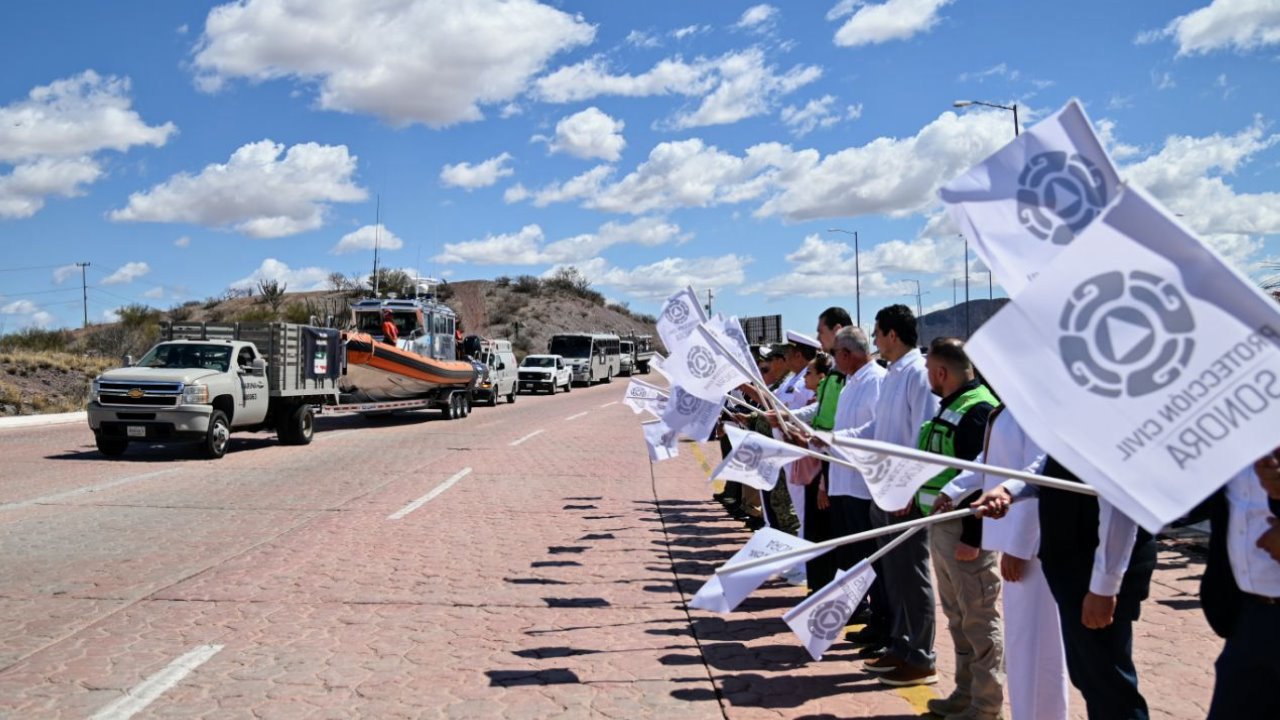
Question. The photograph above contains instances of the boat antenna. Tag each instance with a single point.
(377, 227)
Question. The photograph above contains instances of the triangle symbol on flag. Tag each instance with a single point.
(1125, 336)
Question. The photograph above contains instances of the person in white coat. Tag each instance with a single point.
(1035, 663)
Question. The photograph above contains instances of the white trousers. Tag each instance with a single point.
(1035, 666)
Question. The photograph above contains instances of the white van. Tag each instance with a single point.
(545, 372)
(500, 362)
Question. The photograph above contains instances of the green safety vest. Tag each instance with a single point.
(939, 436)
(828, 397)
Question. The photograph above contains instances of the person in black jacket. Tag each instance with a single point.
(1098, 564)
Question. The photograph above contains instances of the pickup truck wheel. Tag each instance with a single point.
(111, 446)
(493, 398)
(568, 387)
(218, 436)
(300, 426)
(553, 388)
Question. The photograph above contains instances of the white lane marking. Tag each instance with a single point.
(84, 490)
(144, 693)
(526, 437)
(575, 417)
(333, 434)
(429, 496)
(615, 402)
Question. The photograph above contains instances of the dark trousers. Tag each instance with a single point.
(817, 527)
(851, 515)
(908, 581)
(1100, 662)
(1248, 681)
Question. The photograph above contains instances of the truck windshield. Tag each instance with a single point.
(571, 346)
(188, 356)
(539, 362)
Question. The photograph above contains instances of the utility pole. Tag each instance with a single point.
(84, 290)
(991, 288)
(953, 292)
(709, 296)
(918, 295)
(377, 226)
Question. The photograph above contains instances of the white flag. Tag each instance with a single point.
(1023, 205)
(819, 621)
(656, 363)
(661, 441)
(727, 331)
(893, 481)
(643, 396)
(680, 314)
(1141, 361)
(691, 415)
(722, 594)
(756, 459)
(702, 368)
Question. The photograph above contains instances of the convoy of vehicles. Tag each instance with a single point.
(545, 373)
(202, 381)
(592, 357)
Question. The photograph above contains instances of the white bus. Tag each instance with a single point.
(592, 357)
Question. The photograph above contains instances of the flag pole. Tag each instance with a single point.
(767, 395)
(957, 463)
(846, 540)
(827, 589)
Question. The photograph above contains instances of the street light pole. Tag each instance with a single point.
(857, 273)
(84, 289)
(1013, 108)
(966, 287)
(918, 294)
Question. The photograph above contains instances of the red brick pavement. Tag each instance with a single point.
(549, 582)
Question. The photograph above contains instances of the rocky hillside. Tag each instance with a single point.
(950, 322)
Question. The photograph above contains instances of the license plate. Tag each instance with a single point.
(137, 431)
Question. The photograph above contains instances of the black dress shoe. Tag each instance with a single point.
(865, 637)
(754, 523)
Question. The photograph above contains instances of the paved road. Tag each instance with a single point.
(523, 563)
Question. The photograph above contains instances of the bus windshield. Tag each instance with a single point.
(571, 346)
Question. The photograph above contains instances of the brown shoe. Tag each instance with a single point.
(886, 663)
(906, 675)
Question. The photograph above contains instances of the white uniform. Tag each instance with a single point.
(1034, 659)
(794, 395)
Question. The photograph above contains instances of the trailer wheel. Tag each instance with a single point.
(298, 427)
(110, 446)
(218, 436)
(466, 405)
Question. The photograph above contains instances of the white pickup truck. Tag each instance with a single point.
(202, 382)
(545, 372)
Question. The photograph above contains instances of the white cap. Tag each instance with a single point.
(802, 339)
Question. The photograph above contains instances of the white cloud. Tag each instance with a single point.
(127, 273)
(435, 62)
(794, 184)
(732, 87)
(1239, 25)
(1189, 176)
(299, 280)
(469, 177)
(24, 313)
(589, 134)
(758, 18)
(290, 193)
(822, 268)
(527, 247)
(642, 39)
(1002, 70)
(365, 238)
(155, 293)
(1164, 81)
(23, 191)
(182, 242)
(62, 274)
(815, 114)
(870, 24)
(73, 118)
(659, 280)
(689, 31)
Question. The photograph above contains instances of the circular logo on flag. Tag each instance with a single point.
(828, 619)
(745, 457)
(1126, 335)
(686, 403)
(875, 466)
(676, 312)
(1059, 194)
(701, 362)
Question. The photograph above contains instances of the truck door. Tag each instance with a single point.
(254, 393)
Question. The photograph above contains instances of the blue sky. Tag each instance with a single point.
(185, 148)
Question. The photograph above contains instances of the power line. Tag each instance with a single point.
(32, 267)
(38, 292)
